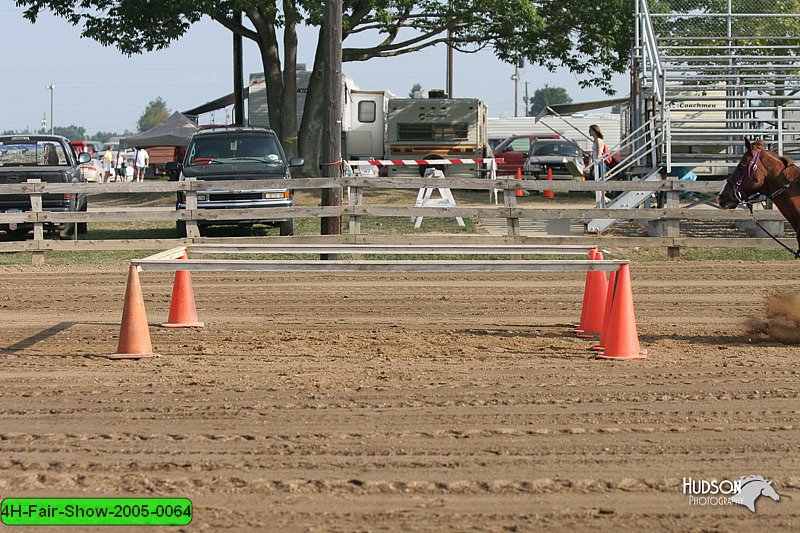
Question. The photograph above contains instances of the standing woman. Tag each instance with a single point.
(599, 160)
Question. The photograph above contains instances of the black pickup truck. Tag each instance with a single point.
(49, 158)
(237, 153)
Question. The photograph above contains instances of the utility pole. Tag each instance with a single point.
(52, 89)
(449, 59)
(332, 118)
(238, 75)
(515, 77)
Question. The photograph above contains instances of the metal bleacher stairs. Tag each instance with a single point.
(704, 81)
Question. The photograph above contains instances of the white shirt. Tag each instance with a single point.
(141, 157)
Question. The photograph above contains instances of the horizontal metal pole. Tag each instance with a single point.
(241, 265)
(397, 249)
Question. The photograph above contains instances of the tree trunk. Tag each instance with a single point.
(289, 106)
(268, 46)
(311, 126)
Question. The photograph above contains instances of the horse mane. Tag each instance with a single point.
(745, 480)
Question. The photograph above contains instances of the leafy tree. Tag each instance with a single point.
(73, 133)
(154, 114)
(548, 96)
(590, 38)
(105, 136)
(414, 88)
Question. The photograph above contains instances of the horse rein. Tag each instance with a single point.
(740, 196)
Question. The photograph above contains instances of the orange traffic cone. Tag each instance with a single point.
(519, 192)
(612, 282)
(584, 306)
(547, 193)
(134, 334)
(597, 287)
(182, 310)
(622, 340)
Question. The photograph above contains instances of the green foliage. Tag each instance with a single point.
(154, 114)
(547, 96)
(590, 38)
(414, 88)
(73, 133)
(104, 136)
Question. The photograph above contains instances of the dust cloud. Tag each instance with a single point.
(781, 320)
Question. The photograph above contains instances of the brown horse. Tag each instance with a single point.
(763, 172)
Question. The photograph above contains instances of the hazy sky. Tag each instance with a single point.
(102, 90)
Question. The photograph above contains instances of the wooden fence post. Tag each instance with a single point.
(38, 227)
(510, 201)
(672, 228)
(355, 199)
(192, 229)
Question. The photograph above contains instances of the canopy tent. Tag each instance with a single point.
(175, 131)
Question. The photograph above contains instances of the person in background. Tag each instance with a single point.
(108, 161)
(121, 170)
(142, 160)
(683, 174)
(599, 160)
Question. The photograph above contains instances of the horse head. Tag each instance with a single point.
(750, 175)
(767, 490)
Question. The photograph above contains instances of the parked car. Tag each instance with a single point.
(50, 159)
(229, 153)
(564, 157)
(514, 151)
(92, 170)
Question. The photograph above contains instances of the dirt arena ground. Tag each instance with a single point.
(402, 402)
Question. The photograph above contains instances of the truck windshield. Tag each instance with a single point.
(32, 153)
(216, 149)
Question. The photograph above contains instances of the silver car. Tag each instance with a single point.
(563, 157)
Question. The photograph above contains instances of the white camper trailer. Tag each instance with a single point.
(364, 124)
(436, 128)
(363, 114)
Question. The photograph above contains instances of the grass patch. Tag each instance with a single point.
(78, 257)
(656, 255)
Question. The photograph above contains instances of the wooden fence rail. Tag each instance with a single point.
(670, 215)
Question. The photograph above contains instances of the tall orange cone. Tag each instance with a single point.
(182, 310)
(597, 287)
(612, 282)
(519, 192)
(547, 193)
(584, 306)
(134, 334)
(622, 340)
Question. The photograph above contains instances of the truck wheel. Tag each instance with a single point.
(287, 227)
(180, 227)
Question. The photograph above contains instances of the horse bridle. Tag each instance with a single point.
(738, 191)
(737, 185)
